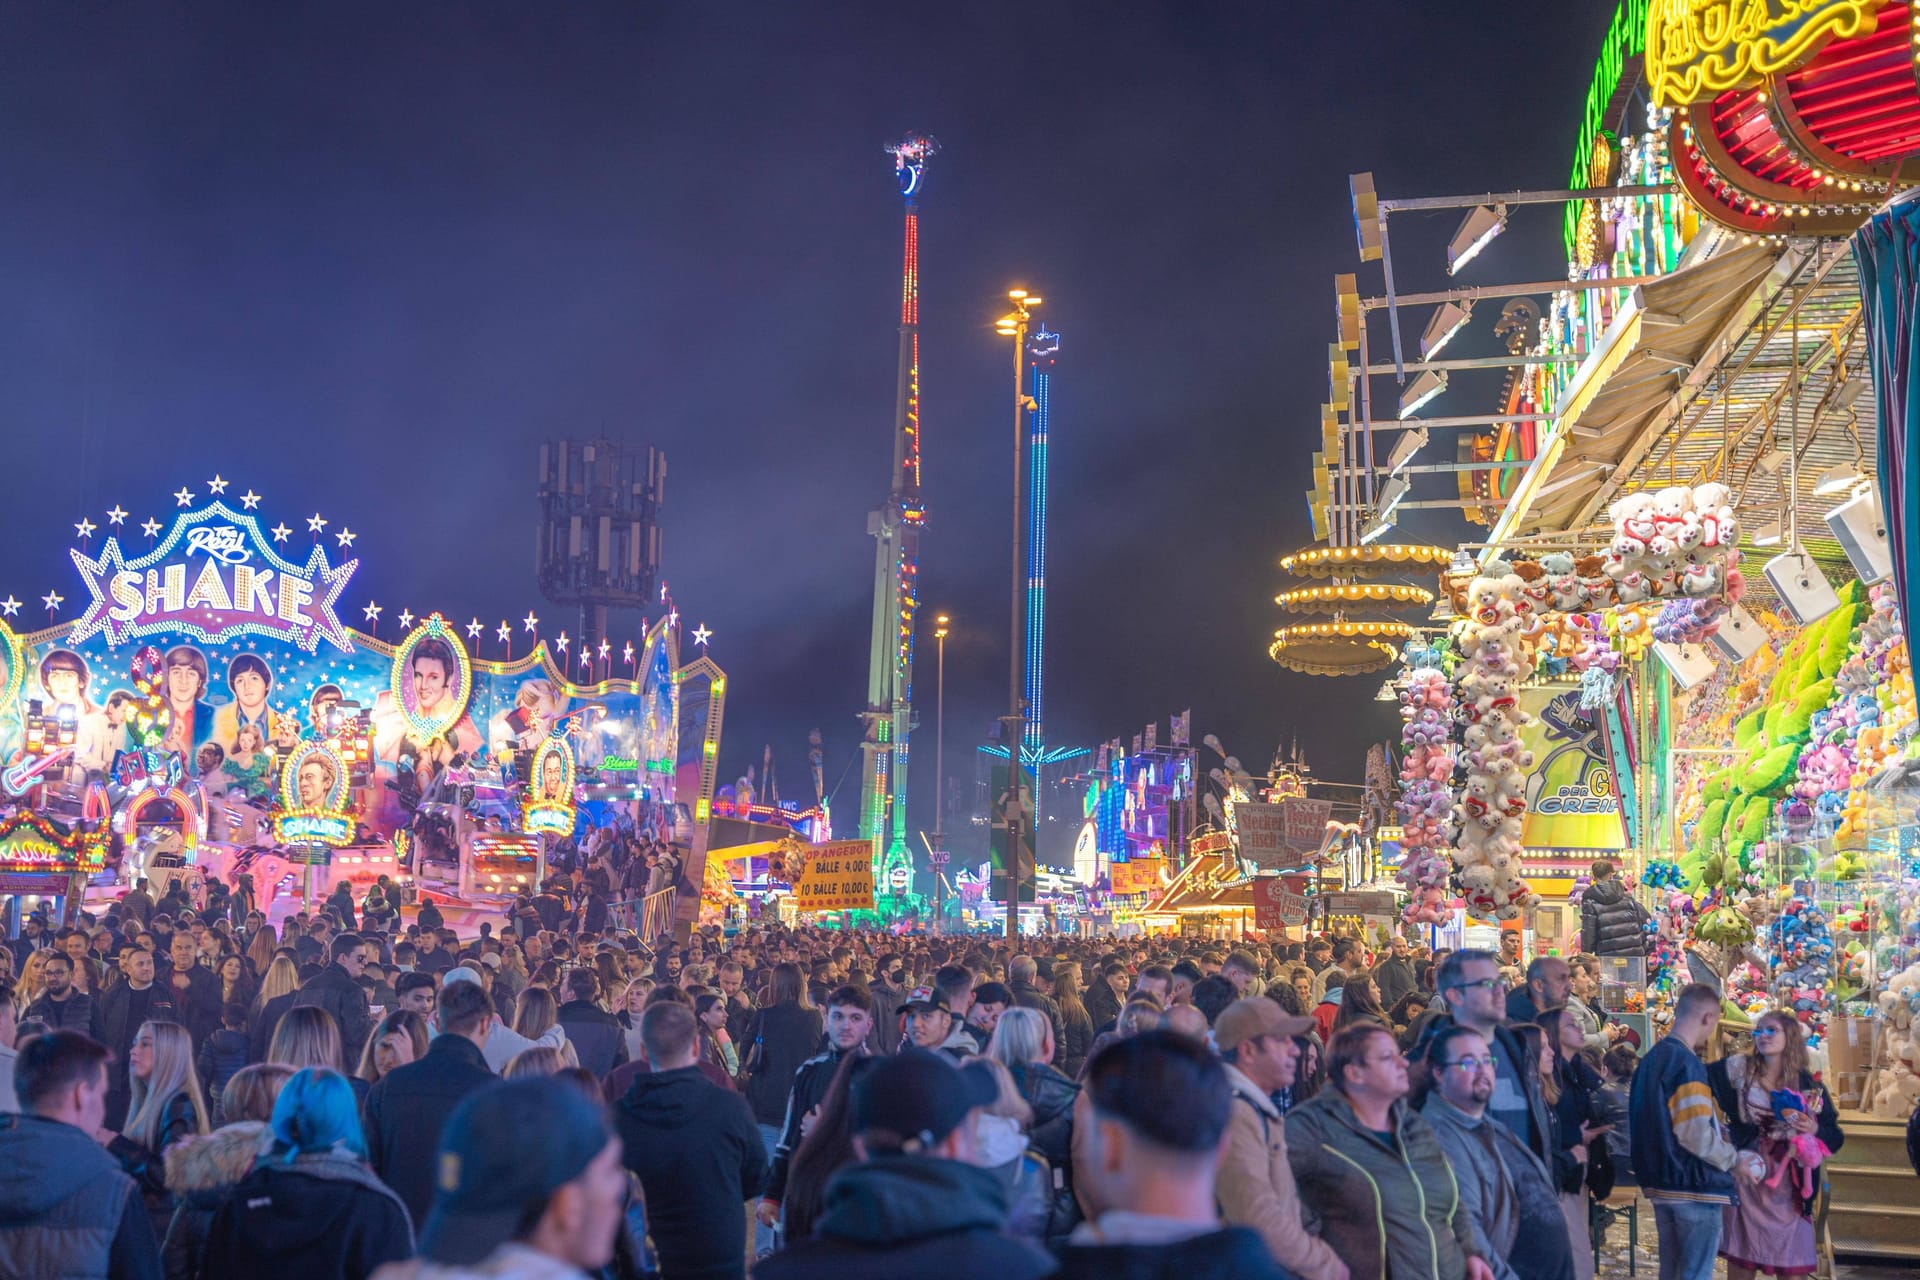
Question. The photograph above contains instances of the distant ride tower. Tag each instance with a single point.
(599, 541)
(1043, 347)
(896, 588)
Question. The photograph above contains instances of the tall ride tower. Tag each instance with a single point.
(896, 586)
(1043, 347)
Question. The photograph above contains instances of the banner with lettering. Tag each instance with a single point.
(839, 877)
(1572, 802)
(1282, 834)
(1279, 902)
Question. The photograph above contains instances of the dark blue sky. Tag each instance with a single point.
(364, 257)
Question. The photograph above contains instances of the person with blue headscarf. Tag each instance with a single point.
(311, 1207)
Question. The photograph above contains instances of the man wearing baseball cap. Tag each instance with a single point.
(915, 1204)
(1256, 1041)
(544, 1210)
(931, 1024)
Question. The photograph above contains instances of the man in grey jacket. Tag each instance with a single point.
(1505, 1189)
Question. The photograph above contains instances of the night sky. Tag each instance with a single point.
(364, 257)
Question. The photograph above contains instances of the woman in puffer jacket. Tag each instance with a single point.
(1023, 1040)
(202, 1171)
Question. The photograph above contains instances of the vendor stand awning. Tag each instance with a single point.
(1649, 363)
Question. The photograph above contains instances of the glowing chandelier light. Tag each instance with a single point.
(1370, 561)
(1340, 648)
(1341, 595)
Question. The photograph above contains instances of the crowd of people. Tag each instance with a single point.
(196, 1092)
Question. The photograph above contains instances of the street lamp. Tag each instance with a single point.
(1014, 325)
(937, 856)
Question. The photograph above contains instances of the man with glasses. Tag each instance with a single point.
(337, 990)
(1469, 981)
(1506, 1189)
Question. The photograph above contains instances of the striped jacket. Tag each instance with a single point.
(1680, 1147)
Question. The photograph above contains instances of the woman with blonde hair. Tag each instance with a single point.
(32, 983)
(166, 1106)
(270, 1004)
(260, 951)
(1023, 1040)
(1076, 1024)
(535, 1012)
(539, 1062)
(309, 1037)
(202, 1171)
(633, 1003)
(400, 1038)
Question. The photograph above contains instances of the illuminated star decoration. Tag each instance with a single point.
(473, 629)
(280, 532)
(150, 527)
(345, 537)
(605, 649)
(249, 499)
(315, 524)
(673, 617)
(406, 619)
(629, 653)
(505, 632)
(586, 659)
(51, 600)
(216, 486)
(9, 606)
(529, 622)
(116, 517)
(663, 589)
(85, 528)
(561, 643)
(184, 498)
(371, 613)
(701, 635)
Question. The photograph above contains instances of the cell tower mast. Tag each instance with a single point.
(896, 587)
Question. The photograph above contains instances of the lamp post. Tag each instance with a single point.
(1014, 325)
(938, 855)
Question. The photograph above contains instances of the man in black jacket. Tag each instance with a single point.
(116, 1020)
(597, 1037)
(1612, 923)
(695, 1149)
(337, 990)
(1024, 976)
(60, 1005)
(914, 1204)
(849, 1018)
(193, 988)
(408, 1108)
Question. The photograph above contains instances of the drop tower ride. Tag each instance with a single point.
(896, 588)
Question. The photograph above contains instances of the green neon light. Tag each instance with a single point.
(616, 764)
(1626, 38)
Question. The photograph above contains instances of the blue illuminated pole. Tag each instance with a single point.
(1042, 349)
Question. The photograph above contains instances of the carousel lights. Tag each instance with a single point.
(1353, 593)
(1323, 560)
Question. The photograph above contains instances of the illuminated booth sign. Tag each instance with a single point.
(313, 791)
(548, 807)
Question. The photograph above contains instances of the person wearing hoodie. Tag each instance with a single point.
(1159, 1106)
(1612, 923)
(202, 1171)
(694, 1147)
(507, 1211)
(916, 1203)
(310, 1207)
(67, 1210)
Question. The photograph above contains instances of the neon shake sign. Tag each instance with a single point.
(213, 577)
